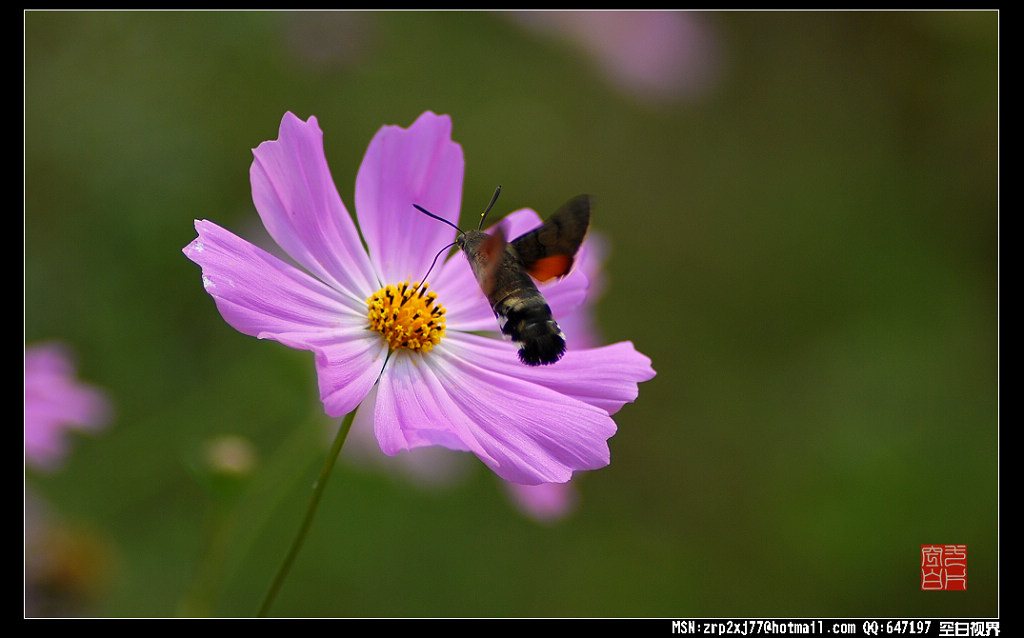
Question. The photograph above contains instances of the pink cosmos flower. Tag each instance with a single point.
(412, 362)
(55, 403)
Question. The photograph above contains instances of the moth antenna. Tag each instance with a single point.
(440, 219)
(494, 198)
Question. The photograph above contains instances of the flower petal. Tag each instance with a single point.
(604, 377)
(580, 328)
(408, 400)
(347, 370)
(299, 204)
(419, 165)
(525, 432)
(262, 296)
(519, 222)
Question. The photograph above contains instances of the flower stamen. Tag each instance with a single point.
(406, 315)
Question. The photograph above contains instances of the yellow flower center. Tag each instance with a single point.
(407, 316)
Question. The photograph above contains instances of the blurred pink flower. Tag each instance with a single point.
(653, 55)
(55, 403)
(546, 503)
(413, 363)
(429, 468)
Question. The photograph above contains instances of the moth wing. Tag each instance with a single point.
(492, 251)
(549, 250)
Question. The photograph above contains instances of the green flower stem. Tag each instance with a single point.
(307, 522)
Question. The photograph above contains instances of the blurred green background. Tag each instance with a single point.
(803, 217)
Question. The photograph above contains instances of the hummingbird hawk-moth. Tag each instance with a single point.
(504, 270)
